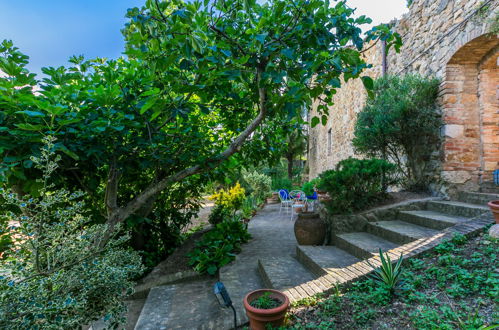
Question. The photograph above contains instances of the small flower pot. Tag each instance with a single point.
(260, 318)
(494, 207)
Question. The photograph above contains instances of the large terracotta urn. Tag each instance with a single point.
(310, 229)
(494, 207)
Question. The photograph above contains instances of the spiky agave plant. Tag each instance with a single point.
(387, 274)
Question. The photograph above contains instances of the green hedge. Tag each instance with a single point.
(356, 184)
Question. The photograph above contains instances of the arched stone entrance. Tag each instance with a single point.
(471, 115)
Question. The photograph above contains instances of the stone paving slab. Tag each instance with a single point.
(456, 208)
(399, 231)
(431, 219)
(363, 245)
(191, 305)
(284, 273)
(323, 259)
(273, 235)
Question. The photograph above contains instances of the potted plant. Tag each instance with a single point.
(494, 207)
(266, 307)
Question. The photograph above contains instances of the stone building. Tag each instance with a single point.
(450, 40)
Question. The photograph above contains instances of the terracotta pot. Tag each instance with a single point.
(310, 229)
(494, 207)
(259, 318)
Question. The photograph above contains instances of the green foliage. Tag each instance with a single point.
(227, 202)
(259, 185)
(296, 145)
(281, 182)
(309, 186)
(199, 79)
(219, 214)
(218, 247)
(387, 274)
(59, 276)
(400, 124)
(266, 301)
(356, 184)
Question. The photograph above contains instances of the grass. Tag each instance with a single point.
(454, 287)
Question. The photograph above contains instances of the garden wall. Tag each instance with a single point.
(449, 40)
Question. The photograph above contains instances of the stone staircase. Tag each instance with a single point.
(318, 269)
(273, 260)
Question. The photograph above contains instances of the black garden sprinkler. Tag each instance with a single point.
(224, 299)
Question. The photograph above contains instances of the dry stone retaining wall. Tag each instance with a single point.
(449, 40)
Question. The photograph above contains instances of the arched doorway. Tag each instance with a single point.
(471, 115)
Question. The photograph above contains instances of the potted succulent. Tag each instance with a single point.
(494, 207)
(266, 307)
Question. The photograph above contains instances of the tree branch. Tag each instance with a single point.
(224, 35)
(154, 188)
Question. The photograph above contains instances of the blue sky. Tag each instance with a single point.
(50, 31)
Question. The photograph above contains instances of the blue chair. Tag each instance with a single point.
(286, 200)
(496, 177)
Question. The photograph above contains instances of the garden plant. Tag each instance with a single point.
(56, 273)
(199, 79)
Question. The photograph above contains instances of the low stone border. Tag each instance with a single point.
(142, 290)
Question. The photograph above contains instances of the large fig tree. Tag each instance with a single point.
(202, 82)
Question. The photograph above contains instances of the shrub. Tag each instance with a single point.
(279, 182)
(59, 276)
(308, 187)
(260, 185)
(218, 246)
(401, 124)
(356, 184)
(227, 202)
(219, 214)
(230, 199)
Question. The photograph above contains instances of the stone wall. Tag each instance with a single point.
(445, 39)
(331, 143)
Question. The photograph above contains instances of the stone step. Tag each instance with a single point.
(363, 245)
(323, 260)
(431, 219)
(398, 231)
(459, 209)
(476, 198)
(179, 306)
(288, 275)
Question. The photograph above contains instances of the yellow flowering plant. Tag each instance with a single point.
(231, 198)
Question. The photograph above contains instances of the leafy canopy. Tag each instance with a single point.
(203, 81)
